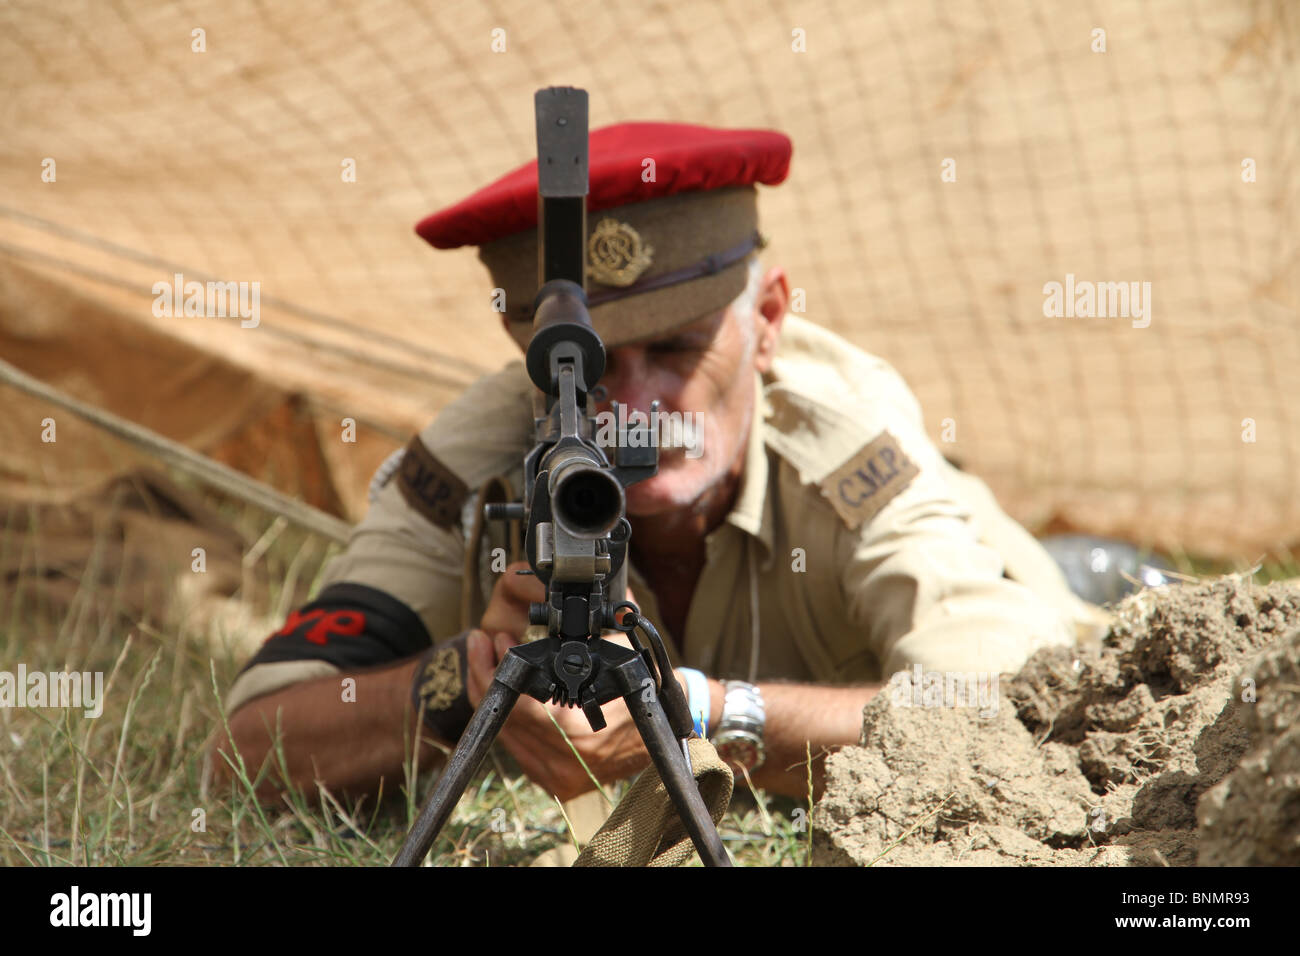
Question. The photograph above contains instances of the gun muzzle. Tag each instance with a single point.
(586, 500)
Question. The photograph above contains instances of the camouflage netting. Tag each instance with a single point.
(229, 163)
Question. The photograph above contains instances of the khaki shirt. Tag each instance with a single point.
(862, 551)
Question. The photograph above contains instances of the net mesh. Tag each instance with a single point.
(231, 162)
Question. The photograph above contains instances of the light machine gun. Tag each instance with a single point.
(577, 532)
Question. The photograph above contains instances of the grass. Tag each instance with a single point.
(133, 787)
(1266, 567)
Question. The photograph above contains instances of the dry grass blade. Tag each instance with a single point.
(910, 830)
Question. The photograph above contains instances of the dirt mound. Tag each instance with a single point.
(1095, 756)
(1252, 818)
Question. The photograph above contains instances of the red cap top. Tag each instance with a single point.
(687, 159)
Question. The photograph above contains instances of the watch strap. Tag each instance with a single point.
(698, 699)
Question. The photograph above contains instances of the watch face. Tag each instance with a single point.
(739, 750)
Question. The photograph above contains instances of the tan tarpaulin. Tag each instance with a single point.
(179, 390)
(216, 140)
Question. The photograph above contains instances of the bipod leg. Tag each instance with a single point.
(488, 719)
(678, 780)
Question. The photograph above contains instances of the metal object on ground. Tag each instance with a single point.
(1095, 567)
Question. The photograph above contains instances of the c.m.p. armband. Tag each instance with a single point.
(351, 626)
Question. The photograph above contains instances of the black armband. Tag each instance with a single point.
(351, 626)
(441, 688)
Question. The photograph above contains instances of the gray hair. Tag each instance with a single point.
(743, 305)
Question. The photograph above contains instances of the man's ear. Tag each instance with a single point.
(770, 306)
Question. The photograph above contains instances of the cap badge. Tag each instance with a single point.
(615, 254)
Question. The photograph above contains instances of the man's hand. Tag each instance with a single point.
(541, 751)
(507, 611)
(530, 736)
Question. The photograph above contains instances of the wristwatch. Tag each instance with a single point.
(739, 737)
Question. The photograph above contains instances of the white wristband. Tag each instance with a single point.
(697, 699)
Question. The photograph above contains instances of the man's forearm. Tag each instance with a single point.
(349, 745)
(800, 718)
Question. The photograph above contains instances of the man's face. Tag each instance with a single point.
(705, 372)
